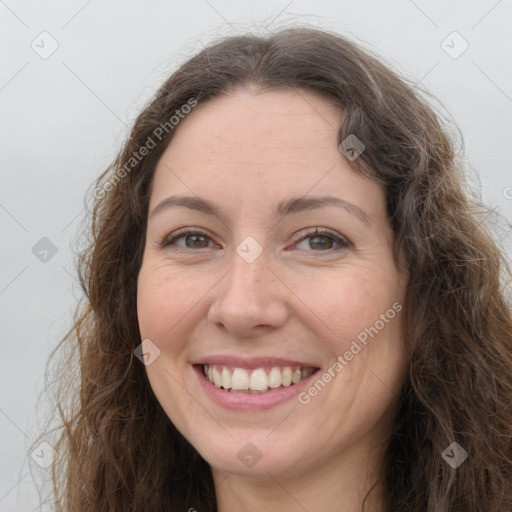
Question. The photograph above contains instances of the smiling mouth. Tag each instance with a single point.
(255, 381)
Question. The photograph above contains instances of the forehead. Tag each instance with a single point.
(250, 143)
(249, 120)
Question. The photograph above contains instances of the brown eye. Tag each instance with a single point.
(188, 239)
(196, 240)
(323, 241)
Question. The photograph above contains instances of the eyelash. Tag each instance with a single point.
(343, 243)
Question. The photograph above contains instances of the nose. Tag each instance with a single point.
(250, 301)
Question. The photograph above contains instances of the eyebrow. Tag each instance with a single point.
(289, 206)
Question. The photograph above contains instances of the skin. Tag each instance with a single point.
(303, 298)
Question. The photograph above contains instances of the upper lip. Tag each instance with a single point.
(251, 362)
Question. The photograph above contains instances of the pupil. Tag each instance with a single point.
(321, 238)
(196, 240)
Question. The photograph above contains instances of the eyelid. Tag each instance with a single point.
(183, 232)
(343, 243)
(314, 230)
(305, 233)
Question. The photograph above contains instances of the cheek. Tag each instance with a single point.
(167, 293)
(348, 300)
(165, 297)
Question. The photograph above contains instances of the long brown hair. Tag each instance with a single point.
(118, 449)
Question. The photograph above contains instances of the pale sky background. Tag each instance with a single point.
(64, 117)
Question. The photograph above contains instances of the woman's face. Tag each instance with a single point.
(256, 299)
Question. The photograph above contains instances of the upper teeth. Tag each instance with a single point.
(254, 380)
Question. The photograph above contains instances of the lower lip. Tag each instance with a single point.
(251, 401)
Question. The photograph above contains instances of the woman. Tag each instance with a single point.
(292, 303)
